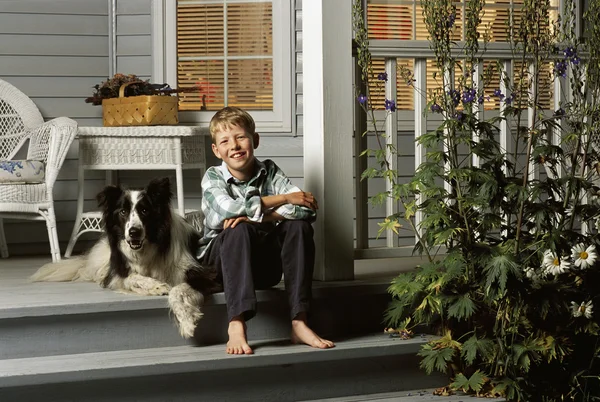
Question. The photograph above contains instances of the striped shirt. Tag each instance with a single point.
(225, 197)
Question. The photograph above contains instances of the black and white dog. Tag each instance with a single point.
(146, 249)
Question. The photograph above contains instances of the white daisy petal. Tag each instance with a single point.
(585, 309)
(556, 265)
(575, 309)
(584, 257)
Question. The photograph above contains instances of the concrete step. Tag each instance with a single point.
(278, 371)
(49, 319)
(414, 395)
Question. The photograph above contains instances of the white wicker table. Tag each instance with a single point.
(135, 148)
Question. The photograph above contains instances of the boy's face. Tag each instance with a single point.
(236, 148)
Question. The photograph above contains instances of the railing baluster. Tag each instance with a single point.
(391, 140)
(420, 91)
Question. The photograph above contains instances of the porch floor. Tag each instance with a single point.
(19, 297)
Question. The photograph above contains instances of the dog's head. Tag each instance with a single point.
(138, 216)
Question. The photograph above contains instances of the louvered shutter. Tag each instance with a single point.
(226, 48)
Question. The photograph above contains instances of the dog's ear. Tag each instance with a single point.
(159, 190)
(108, 197)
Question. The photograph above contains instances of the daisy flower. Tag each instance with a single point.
(583, 309)
(584, 257)
(554, 264)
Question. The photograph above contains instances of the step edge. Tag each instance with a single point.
(275, 355)
(160, 302)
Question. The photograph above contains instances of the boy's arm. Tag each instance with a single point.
(288, 201)
(219, 206)
(269, 217)
(299, 198)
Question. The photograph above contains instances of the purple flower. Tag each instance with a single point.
(560, 113)
(509, 99)
(569, 52)
(459, 116)
(382, 77)
(498, 93)
(390, 105)
(362, 99)
(480, 99)
(451, 20)
(455, 96)
(469, 95)
(435, 108)
(570, 55)
(560, 68)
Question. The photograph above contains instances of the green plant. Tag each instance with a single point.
(512, 297)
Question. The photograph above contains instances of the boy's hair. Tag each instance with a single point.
(231, 116)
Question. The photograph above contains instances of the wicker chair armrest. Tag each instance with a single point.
(50, 143)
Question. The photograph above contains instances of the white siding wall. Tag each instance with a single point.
(55, 51)
(134, 55)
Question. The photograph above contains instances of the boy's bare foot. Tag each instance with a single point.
(237, 344)
(301, 333)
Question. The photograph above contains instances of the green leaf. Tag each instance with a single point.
(369, 173)
(378, 199)
(435, 359)
(497, 270)
(474, 346)
(395, 313)
(462, 308)
(403, 284)
(389, 224)
(475, 383)
(442, 237)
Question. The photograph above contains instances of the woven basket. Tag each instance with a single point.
(144, 110)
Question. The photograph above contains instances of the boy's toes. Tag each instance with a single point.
(322, 343)
(239, 350)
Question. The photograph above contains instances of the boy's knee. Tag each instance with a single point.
(240, 231)
(299, 226)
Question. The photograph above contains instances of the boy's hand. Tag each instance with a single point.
(232, 222)
(303, 199)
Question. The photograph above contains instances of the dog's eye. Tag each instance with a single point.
(123, 212)
(143, 211)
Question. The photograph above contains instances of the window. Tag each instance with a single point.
(238, 52)
(403, 19)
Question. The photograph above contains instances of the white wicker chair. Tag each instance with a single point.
(20, 120)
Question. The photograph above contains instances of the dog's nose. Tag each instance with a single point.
(135, 233)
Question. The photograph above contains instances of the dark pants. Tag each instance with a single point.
(252, 256)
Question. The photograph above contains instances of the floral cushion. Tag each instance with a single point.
(23, 171)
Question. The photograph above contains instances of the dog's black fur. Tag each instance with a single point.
(147, 249)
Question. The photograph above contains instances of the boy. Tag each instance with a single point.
(257, 226)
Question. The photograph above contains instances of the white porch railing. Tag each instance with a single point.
(419, 52)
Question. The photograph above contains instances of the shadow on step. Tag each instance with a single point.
(335, 316)
(280, 383)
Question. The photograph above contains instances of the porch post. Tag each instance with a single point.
(328, 100)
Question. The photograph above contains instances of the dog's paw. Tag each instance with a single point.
(186, 303)
(187, 327)
(159, 289)
(146, 286)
